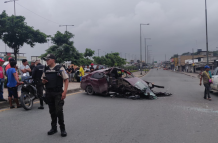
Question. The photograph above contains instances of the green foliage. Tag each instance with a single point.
(175, 56)
(64, 50)
(62, 38)
(111, 59)
(14, 31)
(89, 53)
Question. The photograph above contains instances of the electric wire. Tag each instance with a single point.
(37, 14)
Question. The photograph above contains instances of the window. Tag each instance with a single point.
(98, 75)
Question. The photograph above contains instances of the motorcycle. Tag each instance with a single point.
(28, 93)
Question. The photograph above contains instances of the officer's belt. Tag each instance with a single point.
(54, 89)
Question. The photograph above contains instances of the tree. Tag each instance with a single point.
(64, 49)
(111, 59)
(14, 31)
(88, 54)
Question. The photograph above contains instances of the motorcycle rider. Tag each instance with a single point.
(36, 75)
(53, 77)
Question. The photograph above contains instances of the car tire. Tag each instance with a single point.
(89, 90)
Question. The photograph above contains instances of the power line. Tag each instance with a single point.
(37, 14)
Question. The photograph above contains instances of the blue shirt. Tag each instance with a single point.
(11, 80)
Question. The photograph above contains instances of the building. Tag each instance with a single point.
(38, 58)
(20, 56)
(181, 60)
(204, 53)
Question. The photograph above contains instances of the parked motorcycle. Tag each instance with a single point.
(28, 93)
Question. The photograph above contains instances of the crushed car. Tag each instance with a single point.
(116, 82)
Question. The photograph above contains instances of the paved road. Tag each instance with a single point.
(185, 117)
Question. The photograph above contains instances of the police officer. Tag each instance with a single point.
(36, 75)
(53, 78)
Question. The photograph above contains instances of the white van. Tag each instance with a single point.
(214, 85)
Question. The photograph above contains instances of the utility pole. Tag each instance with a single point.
(192, 55)
(141, 43)
(165, 57)
(98, 52)
(206, 30)
(66, 26)
(14, 5)
(145, 48)
(147, 51)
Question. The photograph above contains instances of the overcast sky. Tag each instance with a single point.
(176, 26)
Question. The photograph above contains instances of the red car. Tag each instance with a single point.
(120, 82)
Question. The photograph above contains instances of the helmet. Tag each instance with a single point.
(206, 67)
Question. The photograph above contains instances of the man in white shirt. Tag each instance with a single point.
(25, 68)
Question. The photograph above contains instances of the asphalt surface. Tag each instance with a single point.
(184, 117)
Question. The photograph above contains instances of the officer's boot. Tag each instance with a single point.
(63, 132)
(53, 130)
(62, 127)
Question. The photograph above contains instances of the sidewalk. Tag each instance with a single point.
(138, 74)
(195, 75)
(72, 87)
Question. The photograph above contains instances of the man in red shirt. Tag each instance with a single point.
(2, 79)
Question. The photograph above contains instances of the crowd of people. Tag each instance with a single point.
(35, 69)
(82, 71)
(11, 71)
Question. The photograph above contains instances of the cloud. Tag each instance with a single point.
(111, 25)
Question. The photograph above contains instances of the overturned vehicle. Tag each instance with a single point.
(117, 82)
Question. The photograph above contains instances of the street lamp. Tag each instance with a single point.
(206, 30)
(145, 48)
(66, 26)
(146, 57)
(141, 42)
(14, 5)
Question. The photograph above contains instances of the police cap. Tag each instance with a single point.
(49, 56)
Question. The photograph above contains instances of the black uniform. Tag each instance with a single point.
(53, 95)
(36, 75)
(31, 67)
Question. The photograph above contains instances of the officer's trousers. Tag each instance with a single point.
(40, 93)
(56, 108)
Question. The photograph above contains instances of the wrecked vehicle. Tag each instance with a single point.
(117, 82)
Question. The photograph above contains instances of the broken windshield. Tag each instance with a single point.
(140, 84)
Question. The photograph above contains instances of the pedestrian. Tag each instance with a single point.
(69, 71)
(53, 77)
(81, 72)
(206, 81)
(32, 65)
(87, 69)
(8, 65)
(73, 72)
(2, 80)
(97, 68)
(36, 75)
(12, 84)
(25, 68)
(92, 68)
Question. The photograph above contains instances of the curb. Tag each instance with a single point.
(184, 74)
(6, 104)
